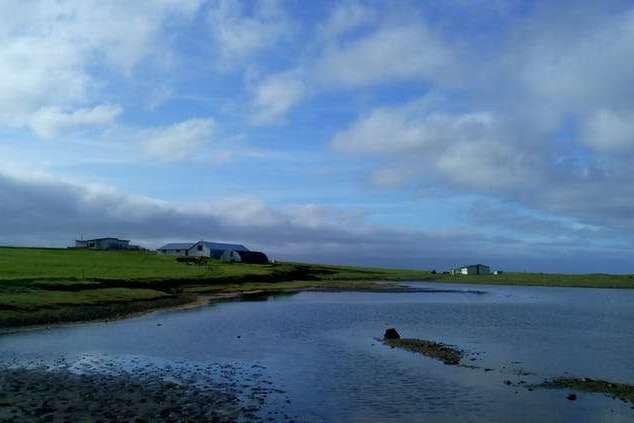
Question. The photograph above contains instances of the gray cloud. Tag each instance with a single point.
(45, 211)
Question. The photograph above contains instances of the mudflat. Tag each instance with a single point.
(60, 395)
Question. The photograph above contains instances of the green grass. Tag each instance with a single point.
(72, 265)
(285, 286)
(595, 280)
(338, 273)
(52, 285)
(34, 299)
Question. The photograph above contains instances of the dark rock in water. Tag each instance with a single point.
(391, 333)
(445, 353)
(571, 397)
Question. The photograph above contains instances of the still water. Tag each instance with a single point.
(319, 352)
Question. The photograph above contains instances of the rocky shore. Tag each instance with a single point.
(65, 392)
(436, 350)
(615, 390)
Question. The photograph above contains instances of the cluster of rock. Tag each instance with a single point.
(445, 353)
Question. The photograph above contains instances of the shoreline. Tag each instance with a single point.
(143, 395)
(194, 296)
(159, 396)
(204, 299)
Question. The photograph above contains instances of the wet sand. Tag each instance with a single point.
(37, 395)
(66, 392)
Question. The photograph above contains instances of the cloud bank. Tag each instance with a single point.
(444, 131)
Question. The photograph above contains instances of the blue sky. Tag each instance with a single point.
(406, 133)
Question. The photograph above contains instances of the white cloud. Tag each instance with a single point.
(179, 141)
(561, 62)
(607, 131)
(390, 54)
(555, 81)
(49, 50)
(347, 16)
(419, 145)
(387, 51)
(238, 34)
(38, 72)
(489, 166)
(274, 96)
(48, 122)
(411, 128)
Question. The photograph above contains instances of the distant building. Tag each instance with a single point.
(253, 257)
(473, 269)
(200, 249)
(104, 244)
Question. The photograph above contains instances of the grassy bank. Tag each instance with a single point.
(595, 280)
(42, 286)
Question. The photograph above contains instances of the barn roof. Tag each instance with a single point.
(102, 239)
(223, 246)
(177, 246)
(210, 245)
(471, 265)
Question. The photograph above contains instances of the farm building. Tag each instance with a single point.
(473, 269)
(104, 244)
(200, 249)
(253, 257)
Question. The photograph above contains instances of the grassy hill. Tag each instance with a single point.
(52, 285)
(31, 265)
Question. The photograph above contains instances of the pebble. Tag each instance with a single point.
(93, 388)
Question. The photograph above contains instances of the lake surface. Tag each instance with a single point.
(317, 351)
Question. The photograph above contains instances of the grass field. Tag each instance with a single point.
(594, 280)
(40, 286)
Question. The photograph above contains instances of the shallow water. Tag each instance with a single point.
(317, 353)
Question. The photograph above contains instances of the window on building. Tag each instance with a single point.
(200, 248)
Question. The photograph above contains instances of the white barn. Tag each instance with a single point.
(472, 269)
(200, 249)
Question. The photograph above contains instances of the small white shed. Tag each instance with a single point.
(472, 269)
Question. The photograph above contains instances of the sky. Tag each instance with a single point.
(424, 134)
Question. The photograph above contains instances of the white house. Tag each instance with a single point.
(200, 249)
(473, 269)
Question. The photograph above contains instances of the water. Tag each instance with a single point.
(319, 354)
